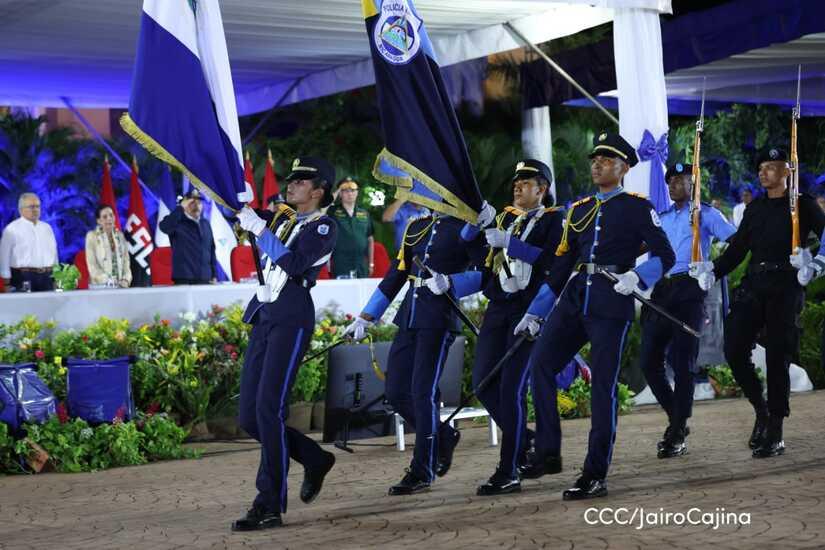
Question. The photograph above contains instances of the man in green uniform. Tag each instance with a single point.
(354, 250)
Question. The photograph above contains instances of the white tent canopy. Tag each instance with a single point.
(84, 49)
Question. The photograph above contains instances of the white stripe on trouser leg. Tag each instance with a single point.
(520, 418)
(284, 453)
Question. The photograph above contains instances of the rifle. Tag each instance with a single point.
(696, 202)
(793, 192)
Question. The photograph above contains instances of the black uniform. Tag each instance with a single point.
(427, 326)
(193, 248)
(769, 297)
(505, 398)
(604, 231)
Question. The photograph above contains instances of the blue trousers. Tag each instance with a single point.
(566, 331)
(505, 397)
(414, 366)
(660, 336)
(271, 362)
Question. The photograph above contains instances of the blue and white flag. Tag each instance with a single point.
(166, 203)
(225, 241)
(182, 106)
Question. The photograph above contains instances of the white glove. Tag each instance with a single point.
(703, 273)
(358, 328)
(626, 282)
(497, 238)
(264, 294)
(438, 283)
(486, 216)
(531, 324)
(250, 221)
(801, 257)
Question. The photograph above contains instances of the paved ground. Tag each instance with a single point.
(190, 504)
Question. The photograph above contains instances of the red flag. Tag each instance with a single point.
(249, 176)
(138, 233)
(270, 181)
(107, 192)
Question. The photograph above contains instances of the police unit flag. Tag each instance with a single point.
(425, 154)
(182, 106)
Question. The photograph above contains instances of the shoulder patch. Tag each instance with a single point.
(323, 229)
(654, 217)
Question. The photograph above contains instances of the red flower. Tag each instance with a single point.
(228, 348)
(40, 354)
(348, 317)
(84, 338)
(233, 355)
(165, 322)
(153, 409)
(62, 413)
(119, 415)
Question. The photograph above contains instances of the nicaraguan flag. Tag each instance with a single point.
(225, 241)
(424, 143)
(182, 106)
(166, 203)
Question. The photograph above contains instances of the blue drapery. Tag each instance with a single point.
(656, 152)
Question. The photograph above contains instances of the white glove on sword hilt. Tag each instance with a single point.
(530, 324)
(438, 283)
(357, 330)
(625, 282)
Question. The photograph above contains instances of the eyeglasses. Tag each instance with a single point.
(31, 207)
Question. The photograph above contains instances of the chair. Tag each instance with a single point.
(80, 263)
(382, 261)
(324, 273)
(160, 262)
(242, 263)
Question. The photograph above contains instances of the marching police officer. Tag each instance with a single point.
(603, 235)
(525, 238)
(769, 297)
(678, 294)
(427, 326)
(297, 244)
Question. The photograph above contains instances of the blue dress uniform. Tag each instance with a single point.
(535, 235)
(427, 327)
(679, 295)
(296, 247)
(602, 232)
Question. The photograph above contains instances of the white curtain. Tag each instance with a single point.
(536, 139)
(641, 85)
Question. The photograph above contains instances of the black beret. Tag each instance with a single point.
(772, 155)
(677, 170)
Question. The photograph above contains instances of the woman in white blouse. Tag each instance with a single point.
(107, 254)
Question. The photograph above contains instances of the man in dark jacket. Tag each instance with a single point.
(193, 247)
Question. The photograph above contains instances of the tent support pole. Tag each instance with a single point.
(272, 109)
(561, 71)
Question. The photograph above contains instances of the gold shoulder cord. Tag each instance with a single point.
(286, 227)
(411, 239)
(577, 227)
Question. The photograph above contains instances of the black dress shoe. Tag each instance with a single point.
(666, 435)
(585, 488)
(257, 519)
(539, 466)
(446, 447)
(409, 485)
(760, 428)
(674, 444)
(499, 484)
(773, 444)
(314, 478)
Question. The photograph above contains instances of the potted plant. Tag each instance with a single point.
(65, 276)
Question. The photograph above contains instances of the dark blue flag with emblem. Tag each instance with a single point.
(425, 155)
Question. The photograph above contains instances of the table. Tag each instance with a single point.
(80, 308)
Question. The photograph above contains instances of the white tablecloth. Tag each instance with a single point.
(79, 308)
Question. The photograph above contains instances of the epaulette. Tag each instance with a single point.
(581, 201)
(513, 210)
(553, 209)
(638, 195)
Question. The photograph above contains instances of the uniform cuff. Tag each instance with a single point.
(469, 232)
(543, 302)
(649, 272)
(521, 250)
(272, 245)
(466, 283)
(377, 305)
